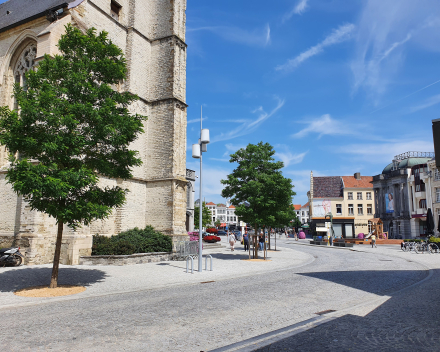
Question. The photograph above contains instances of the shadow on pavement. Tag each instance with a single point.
(408, 321)
(229, 256)
(13, 280)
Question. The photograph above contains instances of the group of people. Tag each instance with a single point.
(232, 241)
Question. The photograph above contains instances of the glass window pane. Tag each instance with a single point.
(348, 230)
(337, 228)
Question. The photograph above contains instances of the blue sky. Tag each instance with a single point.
(335, 86)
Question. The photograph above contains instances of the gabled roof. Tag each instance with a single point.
(297, 206)
(210, 203)
(327, 187)
(352, 182)
(16, 12)
(306, 205)
(231, 207)
(221, 205)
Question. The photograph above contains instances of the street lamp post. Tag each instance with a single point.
(197, 150)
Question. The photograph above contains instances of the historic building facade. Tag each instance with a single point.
(151, 34)
(350, 200)
(402, 195)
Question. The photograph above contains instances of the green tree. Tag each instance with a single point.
(258, 181)
(206, 216)
(217, 223)
(72, 127)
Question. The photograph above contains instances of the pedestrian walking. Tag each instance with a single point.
(232, 241)
(373, 241)
(295, 235)
(246, 241)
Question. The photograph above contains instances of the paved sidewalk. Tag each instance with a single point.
(104, 280)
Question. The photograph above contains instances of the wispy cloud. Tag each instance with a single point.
(212, 175)
(383, 153)
(220, 159)
(251, 125)
(257, 37)
(384, 32)
(196, 120)
(325, 125)
(428, 103)
(342, 33)
(298, 9)
(290, 159)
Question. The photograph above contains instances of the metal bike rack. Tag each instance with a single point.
(206, 261)
(192, 264)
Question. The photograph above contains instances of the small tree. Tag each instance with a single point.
(72, 127)
(206, 215)
(217, 223)
(258, 181)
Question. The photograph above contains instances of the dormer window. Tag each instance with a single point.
(115, 10)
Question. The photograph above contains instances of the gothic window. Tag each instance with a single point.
(24, 63)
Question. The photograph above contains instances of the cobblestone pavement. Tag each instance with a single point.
(407, 321)
(359, 286)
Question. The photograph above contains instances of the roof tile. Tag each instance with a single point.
(327, 187)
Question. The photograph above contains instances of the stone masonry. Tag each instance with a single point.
(152, 35)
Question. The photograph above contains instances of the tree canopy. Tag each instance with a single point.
(258, 180)
(73, 125)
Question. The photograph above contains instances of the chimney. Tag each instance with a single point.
(357, 175)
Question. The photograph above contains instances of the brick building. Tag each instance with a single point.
(151, 34)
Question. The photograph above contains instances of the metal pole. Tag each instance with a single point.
(200, 197)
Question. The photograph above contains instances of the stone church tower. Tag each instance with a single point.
(152, 35)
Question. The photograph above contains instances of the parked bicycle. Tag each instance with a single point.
(425, 247)
(408, 246)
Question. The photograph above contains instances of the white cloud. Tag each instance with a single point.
(249, 126)
(289, 158)
(338, 35)
(383, 153)
(298, 9)
(258, 37)
(428, 103)
(212, 175)
(196, 120)
(325, 125)
(384, 33)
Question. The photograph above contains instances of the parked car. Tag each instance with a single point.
(221, 233)
(237, 235)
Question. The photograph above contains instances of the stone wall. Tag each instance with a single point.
(141, 258)
(151, 33)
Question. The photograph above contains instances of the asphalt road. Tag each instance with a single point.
(355, 293)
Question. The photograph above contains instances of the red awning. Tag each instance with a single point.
(223, 225)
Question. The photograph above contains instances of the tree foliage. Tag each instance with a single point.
(258, 180)
(72, 125)
(206, 216)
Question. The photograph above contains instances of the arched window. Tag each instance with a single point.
(24, 63)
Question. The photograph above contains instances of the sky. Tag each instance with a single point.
(335, 86)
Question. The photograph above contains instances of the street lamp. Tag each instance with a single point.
(197, 150)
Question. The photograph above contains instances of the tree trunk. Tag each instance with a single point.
(56, 258)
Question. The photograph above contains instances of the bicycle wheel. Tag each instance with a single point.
(433, 248)
(416, 248)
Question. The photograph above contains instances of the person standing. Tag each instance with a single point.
(373, 241)
(261, 242)
(232, 241)
(246, 241)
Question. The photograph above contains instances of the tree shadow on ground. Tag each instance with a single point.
(13, 280)
(229, 256)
